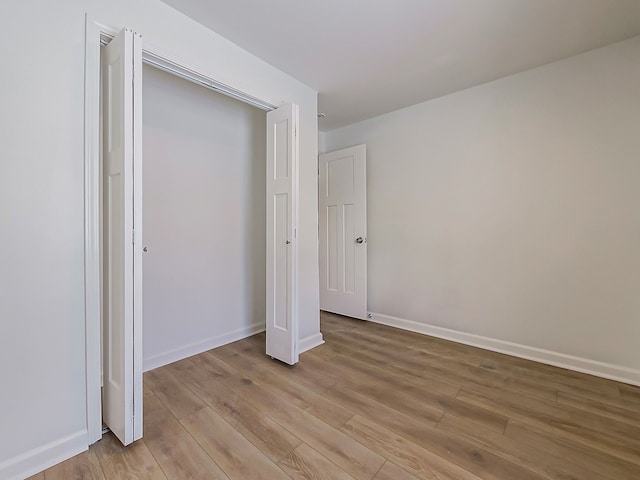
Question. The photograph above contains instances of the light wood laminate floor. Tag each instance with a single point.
(372, 403)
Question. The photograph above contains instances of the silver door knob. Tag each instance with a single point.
(359, 240)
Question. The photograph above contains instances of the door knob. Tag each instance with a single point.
(359, 240)
(145, 249)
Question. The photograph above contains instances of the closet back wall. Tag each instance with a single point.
(203, 218)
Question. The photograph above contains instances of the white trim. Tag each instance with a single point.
(92, 305)
(181, 69)
(174, 355)
(43, 457)
(570, 362)
(312, 341)
(192, 75)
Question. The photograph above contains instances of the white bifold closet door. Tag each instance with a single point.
(122, 287)
(282, 200)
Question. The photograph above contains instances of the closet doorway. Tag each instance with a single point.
(203, 218)
(123, 241)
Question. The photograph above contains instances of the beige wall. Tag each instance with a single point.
(512, 210)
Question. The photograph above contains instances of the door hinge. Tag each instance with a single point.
(133, 237)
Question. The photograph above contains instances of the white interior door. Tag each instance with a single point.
(282, 200)
(122, 365)
(342, 215)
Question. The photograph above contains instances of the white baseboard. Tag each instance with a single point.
(43, 457)
(312, 341)
(570, 362)
(185, 351)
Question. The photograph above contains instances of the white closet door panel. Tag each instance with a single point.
(282, 198)
(122, 382)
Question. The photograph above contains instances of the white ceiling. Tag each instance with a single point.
(368, 57)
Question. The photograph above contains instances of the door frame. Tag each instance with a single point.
(96, 34)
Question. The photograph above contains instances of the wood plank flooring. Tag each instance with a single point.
(372, 403)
